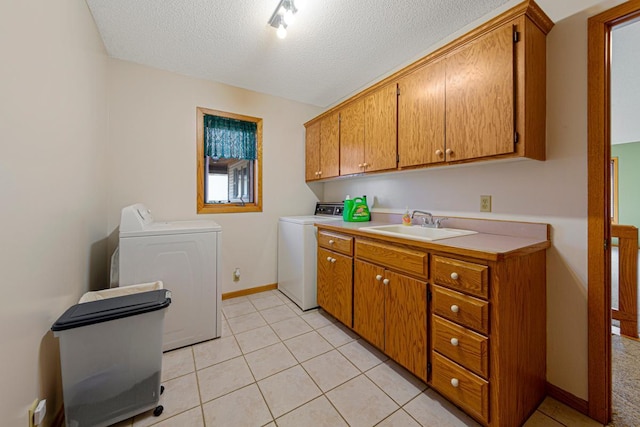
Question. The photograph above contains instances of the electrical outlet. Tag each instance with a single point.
(485, 203)
(32, 410)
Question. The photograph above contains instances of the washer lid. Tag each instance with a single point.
(309, 219)
(136, 220)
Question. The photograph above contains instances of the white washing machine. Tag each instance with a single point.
(297, 254)
(185, 256)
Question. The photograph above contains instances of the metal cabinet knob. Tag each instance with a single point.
(385, 281)
(378, 277)
(455, 308)
(455, 382)
(331, 242)
(449, 151)
(454, 276)
(329, 258)
(454, 342)
(333, 260)
(438, 153)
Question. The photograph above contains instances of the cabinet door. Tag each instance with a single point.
(352, 138)
(330, 146)
(380, 129)
(368, 302)
(312, 152)
(335, 285)
(480, 97)
(406, 322)
(421, 109)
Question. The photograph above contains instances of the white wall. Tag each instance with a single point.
(554, 192)
(152, 140)
(52, 187)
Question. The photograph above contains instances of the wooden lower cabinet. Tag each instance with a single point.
(480, 340)
(390, 311)
(334, 283)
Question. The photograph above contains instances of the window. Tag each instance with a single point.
(229, 150)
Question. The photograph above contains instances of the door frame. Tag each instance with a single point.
(599, 227)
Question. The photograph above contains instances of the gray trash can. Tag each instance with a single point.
(111, 354)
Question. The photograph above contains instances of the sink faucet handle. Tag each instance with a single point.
(438, 221)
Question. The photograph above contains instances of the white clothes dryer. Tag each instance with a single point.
(185, 256)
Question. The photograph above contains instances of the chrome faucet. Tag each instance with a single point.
(428, 220)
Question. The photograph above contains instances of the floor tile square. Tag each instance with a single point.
(239, 309)
(176, 363)
(234, 301)
(308, 345)
(225, 330)
(538, 419)
(293, 306)
(215, 351)
(270, 360)
(399, 419)
(256, 338)
(246, 322)
(192, 418)
(242, 408)
(224, 378)
(431, 409)
(330, 370)
(361, 403)
(288, 389)
(318, 412)
(362, 354)
(267, 302)
(397, 382)
(290, 328)
(278, 313)
(337, 334)
(318, 318)
(180, 394)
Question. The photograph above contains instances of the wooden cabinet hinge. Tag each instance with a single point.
(428, 295)
(428, 367)
(516, 34)
(397, 158)
(516, 137)
(398, 90)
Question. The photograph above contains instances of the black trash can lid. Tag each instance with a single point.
(114, 308)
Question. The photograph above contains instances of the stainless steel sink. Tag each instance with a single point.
(416, 232)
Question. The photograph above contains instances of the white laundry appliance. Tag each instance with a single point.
(297, 253)
(185, 256)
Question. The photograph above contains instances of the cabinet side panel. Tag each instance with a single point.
(535, 93)
(518, 338)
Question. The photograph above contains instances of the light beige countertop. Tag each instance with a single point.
(495, 240)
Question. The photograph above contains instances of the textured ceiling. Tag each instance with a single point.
(334, 48)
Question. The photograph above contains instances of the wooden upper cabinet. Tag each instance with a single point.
(322, 148)
(480, 116)
(380, 128)
(352, 138)
(330, 146)
(312, 151)
(421, 109)
(368, 133)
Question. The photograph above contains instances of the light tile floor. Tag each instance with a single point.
(278, 366)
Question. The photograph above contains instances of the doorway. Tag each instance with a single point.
(599, 208)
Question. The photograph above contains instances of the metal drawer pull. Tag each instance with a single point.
(454, 276)
(455, 308)
(455, 382)
(454, 342)
(333, 260)
(329, 258)
(385, 281)
(378, 277)
(331, 242)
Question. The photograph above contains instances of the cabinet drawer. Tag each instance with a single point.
(461, 386)
(465, 310)
(336, 242)
(465, 276)
(405, 260)
(461, 345)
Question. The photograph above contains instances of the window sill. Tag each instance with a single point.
(211, 208)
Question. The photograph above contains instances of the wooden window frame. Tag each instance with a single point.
(212, 208)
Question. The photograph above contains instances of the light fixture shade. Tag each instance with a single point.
(282, 31)
(283, 16)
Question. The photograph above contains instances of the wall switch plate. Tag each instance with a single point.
(485, 203)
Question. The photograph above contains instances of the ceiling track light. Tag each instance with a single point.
(283, 16)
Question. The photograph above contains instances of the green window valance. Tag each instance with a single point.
(227, 138)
